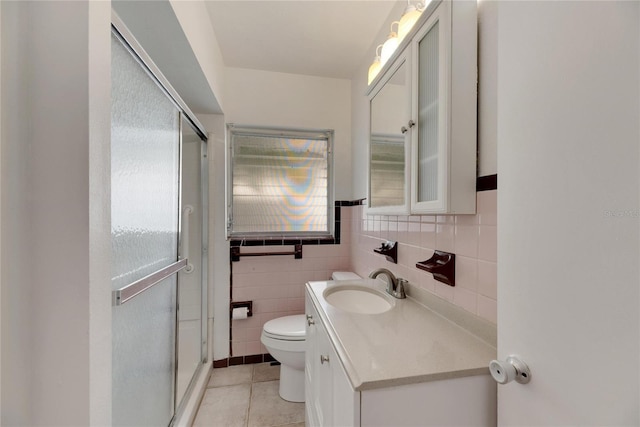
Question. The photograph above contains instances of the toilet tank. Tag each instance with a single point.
(344, 275)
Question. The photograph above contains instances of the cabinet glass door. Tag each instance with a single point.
(428, 115)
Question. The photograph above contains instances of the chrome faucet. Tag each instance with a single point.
(395, 286)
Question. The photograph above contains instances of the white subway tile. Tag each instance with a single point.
(465, 299)
(488, 309)
(488, 279)
(467, 273)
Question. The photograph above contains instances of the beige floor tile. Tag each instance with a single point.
(265, 372)
(224, 406)
(293, 425)
(268, 409)
(232, 375)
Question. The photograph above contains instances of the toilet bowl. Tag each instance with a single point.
(284, 339)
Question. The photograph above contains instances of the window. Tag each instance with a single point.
(279, 182)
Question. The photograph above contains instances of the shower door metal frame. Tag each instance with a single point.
(204, 266)
(126, 293)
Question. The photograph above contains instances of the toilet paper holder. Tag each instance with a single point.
(240, 304)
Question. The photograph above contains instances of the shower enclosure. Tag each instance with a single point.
(159, 217)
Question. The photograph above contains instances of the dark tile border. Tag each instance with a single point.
(243, 360)
(223, 363)
(256, 358)
(356, 202)
(487, 183)
(238, 360)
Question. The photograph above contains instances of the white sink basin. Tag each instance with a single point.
(358, 299)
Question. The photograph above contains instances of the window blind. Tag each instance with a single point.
(280, 183)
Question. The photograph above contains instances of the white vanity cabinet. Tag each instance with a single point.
(329, 398)
(440, 124)
(364, 390)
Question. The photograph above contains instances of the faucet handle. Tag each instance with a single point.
(400, 293)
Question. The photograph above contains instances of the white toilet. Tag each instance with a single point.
(284, 338)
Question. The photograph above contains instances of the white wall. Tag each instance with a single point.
(56, 324)
(359, 132)
(487, 87)
(267, 98)
(0, 210)
(194, 19)
(218, 245)
(568, 210)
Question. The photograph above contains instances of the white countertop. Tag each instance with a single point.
(408, 344)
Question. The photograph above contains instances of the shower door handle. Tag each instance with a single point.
(184, 246)
(124, 294)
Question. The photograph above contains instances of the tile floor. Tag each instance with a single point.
(247, 396)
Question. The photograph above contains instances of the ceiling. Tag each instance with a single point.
(328, 38)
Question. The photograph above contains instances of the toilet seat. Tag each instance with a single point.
(288, 328)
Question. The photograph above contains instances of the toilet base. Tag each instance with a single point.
(291, 384)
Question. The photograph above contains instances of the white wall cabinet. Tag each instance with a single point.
(440, 124)
(331, 400)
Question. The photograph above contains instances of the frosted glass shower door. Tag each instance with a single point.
(145, 201)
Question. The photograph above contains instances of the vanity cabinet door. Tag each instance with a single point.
(324, 380)
(319, 358)
(346, 401)
(311, 366)
(329, 397)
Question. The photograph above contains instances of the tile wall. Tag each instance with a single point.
(275, 284)
(471, 237)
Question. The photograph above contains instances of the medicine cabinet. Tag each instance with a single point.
(433, 113)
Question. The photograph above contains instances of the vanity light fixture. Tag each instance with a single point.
(390, 45)
(374, 69)
(410, 17)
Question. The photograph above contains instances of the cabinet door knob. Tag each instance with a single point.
(403, 129)
(511, 369)
(324, 358)
(411, 124)
(310, 320)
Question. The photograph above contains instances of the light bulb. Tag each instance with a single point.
(408, 20)
(375, 67)
(390, 45)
